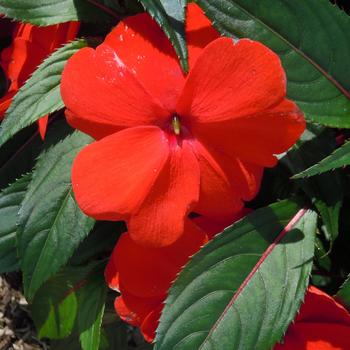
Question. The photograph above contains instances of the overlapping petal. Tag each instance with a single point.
(103, 93)
(111, 178)
(322, 324)
(160, 219)
(139, 42)
(147, 272)
(232, 80)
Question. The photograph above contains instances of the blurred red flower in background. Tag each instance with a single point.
(322, 324)
(170, 144)
(29, 47)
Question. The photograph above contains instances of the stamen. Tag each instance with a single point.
(176, 125)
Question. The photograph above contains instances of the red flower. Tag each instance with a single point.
(170, 144)
(143, 275)
(30, 46)
(322, 324)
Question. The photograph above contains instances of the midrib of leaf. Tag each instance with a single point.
(66, 197)
(268, 251)
(296, 49)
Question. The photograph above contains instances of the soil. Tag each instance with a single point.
(17, 331)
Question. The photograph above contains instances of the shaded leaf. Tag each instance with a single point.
(243, 288)
(302, 33)
(55, 306)
(92, 298)
(51, 226)
(339, 158)
(170, 15)
(40, 95)
(325, 191)
(343, 295)
(10, 201)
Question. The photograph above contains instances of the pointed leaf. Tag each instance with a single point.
(243, 288)
(10, 201)
(339, 158)
(92, 299)
(170, 15)
(40, 95)
(51, 226)
(316, 64)
(47, 12)
(325, 190)
(55, 306)
(343, 295)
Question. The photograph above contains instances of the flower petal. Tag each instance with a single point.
(148, 272)
(257, 138)
(42, 126)
(150, 324)
(100, 90)
(133, 309)
(160, 219)
(199, 32)
(316, 336)
(217, 199)
(140, 42)
(232, 80)
(111, 177)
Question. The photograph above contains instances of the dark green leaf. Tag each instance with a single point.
(302, 33)
(343, 295)
(51, 225)
(92, 298)
(55, 306)
(46, 12)
(170, 15)
(242, 290)
(325, 190)
(340, 157)
(40, 95)
(10, 201)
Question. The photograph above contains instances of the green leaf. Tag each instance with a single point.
(302, 33)
(47, 12)
(170, 15)
(40, 95)
(340, 157)
(343, 295)
(10, 201)
(243, 288)
(55, 306)
(51, 226)
(92, 298)
(325, 190)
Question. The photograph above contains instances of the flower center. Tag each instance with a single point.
(176, 124)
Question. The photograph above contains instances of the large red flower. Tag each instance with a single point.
(322, 324)
(30, 46)
(170, 144)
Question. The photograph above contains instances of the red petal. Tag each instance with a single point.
(316, 336)
(42, 126)
(217, 197)
(148, 272)
(108, 97)
(232, 80)
(150, 324)
(320, 307)
(134, 310)
(111, 177)
(5, 103)
(160, 219)
(257, 138)
(199, 32)
(140, 42)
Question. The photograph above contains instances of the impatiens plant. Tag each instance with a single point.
(186, 188)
